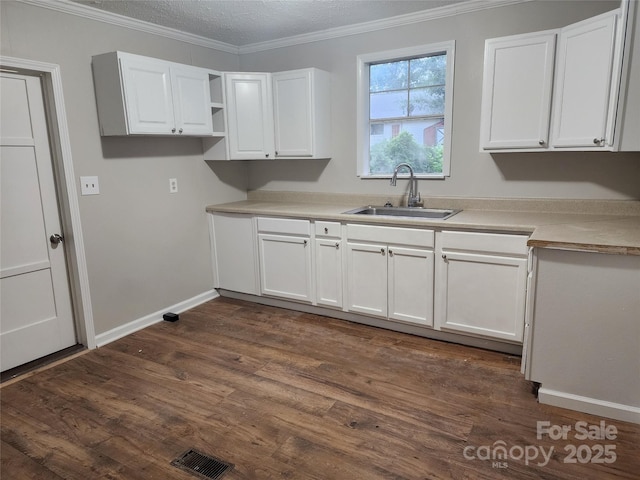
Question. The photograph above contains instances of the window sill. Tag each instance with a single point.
(388, 176)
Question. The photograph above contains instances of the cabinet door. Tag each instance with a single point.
(516, 97)
(583, 83)
(411, 285)
(192, 105)
(250, 117)
(234, 253)
(329, 272)
(285, 266)
(367, 278)
(482, 294)
(293, 113)
(148, 98)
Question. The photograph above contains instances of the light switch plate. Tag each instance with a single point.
(89, 186)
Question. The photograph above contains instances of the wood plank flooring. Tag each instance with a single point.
(288, 395)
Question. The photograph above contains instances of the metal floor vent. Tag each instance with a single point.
(201, 465)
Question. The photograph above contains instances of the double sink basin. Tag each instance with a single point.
(410, 212)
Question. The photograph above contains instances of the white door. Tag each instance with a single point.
(234, 259)
(250, 116)
(516, 96)
(35, 312)
(583, 83)
(192, 101)
(285, 267)
(292, 113)
(329, 272)
(411, 285)
(367, 277)
(483, 294)
(147, 93)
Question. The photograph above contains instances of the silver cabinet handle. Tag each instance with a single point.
(390, 253)
(337, 245)
(541, 142)
(267, 155)
(382, 251)
(180, 131)
(304, 242)
(326, 230)
(598, 141)
(173, 130)
(444, 257)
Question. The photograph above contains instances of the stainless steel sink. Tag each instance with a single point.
(412, 212)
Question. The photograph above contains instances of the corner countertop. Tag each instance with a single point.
(555, 224)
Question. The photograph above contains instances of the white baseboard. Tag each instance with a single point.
(593, 406)
(124, 330)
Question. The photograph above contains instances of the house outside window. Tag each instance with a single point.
(408, 96)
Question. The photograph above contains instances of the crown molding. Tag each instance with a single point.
(80, 10)
(400, 20)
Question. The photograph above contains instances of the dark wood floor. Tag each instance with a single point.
(288, 395)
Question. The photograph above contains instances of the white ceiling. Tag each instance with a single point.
(246, 22)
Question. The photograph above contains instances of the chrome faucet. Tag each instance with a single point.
(414, 194)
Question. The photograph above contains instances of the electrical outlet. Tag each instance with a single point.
(173, 185)
(89, 186)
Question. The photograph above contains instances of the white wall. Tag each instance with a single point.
(474, 174)
(146, 249)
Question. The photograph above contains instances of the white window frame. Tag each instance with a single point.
(363, 129)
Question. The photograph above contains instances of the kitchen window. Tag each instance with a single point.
(405, 104)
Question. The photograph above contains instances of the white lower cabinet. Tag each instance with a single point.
(328, 264)
(481, 283)
(390, 272)
(367, 278)
(410, 272)
(284, 250)
(233, 251)
(471, 283)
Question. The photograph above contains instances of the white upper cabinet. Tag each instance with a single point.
(249, 116)
(301, 113)
(285, 114)
(528, 104)
(191, 99)
(146, 85)
(516, 97)
(139, 95)
(581, 111)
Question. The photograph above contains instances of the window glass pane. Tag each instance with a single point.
(377, 129)
(428, 71)
(388, 76)
(426, 101)
(388, 104)
(417, 142)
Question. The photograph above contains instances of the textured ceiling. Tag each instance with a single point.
(244, 22)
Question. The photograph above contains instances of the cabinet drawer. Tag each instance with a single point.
(500, 243)
(328, 229)
(403, 236)
(284, 225)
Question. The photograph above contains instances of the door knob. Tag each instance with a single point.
(56, 238)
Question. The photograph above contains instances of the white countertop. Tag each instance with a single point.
(594, 232)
